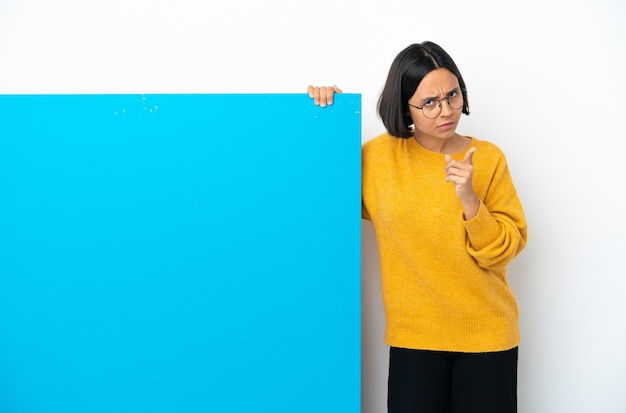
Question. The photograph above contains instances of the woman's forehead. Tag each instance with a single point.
(437, 82)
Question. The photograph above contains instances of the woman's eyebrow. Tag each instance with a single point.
(454, 89)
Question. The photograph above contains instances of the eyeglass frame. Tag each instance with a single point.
(447, 98)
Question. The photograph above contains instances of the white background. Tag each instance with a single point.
(546, 83)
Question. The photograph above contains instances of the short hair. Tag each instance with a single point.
(406, 72)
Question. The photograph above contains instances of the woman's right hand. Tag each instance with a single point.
(323, 95)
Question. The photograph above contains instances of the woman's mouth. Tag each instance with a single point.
(446, 126)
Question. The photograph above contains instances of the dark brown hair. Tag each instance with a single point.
(406, 72)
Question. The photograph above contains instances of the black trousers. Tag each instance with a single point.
(423, 381)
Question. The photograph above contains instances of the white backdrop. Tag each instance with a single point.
(546, 83)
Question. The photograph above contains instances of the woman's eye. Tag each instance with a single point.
(429, 102)
(453, 94)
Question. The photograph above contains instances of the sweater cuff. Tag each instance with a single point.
(482, 229)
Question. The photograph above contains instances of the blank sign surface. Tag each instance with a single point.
(179, 253)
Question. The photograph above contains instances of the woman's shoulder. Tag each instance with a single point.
(382, 142)
(486, 146)
(488, 153)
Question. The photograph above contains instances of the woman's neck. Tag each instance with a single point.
(454, 144)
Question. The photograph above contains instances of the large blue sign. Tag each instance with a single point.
(179, 253)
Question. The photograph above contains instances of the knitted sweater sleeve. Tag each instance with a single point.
(498, 233)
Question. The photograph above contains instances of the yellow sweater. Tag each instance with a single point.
(443, 278)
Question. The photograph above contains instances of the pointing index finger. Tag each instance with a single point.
(469, 155)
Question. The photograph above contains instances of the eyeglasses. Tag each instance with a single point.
(432, 107)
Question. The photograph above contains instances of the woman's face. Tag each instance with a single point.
(441, 101)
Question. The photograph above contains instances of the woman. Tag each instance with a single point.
(448, 221)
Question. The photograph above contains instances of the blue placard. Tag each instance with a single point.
(179, 253)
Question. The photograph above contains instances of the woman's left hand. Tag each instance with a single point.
(460, 173)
